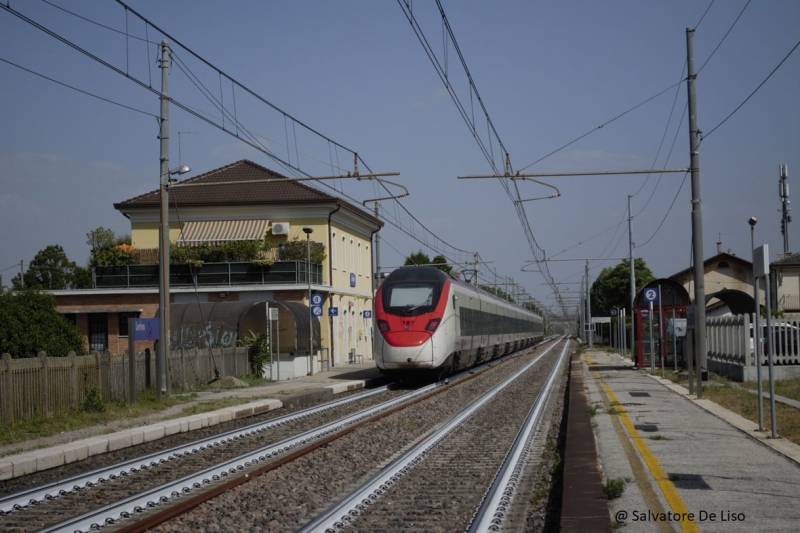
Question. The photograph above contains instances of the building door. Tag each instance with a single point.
(98, 332)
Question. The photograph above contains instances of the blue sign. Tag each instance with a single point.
(367, 314)
(316, 299)
(650, 295)
(316, 311)
(145, 329)
(352, 280)
(613, 312)
(333, 311)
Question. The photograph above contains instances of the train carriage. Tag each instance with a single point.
(431, 323)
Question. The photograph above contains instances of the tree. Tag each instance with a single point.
(31, 324)
(440, 262)
(497, 291)
(611, 289)
(52, 270)
(418, 258)
(101, 238)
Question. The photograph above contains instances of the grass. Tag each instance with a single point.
(789, 388)
(736, 398)
(146, 405)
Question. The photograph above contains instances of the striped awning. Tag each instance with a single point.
(218, 231)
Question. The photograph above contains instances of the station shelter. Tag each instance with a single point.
(670, 301)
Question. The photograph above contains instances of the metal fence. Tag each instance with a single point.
(45, 385)
(282, 272)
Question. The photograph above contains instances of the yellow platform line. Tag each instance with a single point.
(667, 488)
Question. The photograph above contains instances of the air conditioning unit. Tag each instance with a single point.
(280, 228)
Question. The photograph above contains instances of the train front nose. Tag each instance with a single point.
(406, 350)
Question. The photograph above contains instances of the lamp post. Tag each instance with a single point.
(756, 325)
(308, 231)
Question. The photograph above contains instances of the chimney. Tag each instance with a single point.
(719, 248)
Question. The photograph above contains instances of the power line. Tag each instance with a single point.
(723, 37)
(703, 137)
(126, 34)
(432, 241)
(667, 213)
(76, 89)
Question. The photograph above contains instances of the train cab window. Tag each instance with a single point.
(410, 298)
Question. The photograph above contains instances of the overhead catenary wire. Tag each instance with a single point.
(666, 214)
(87, 93)
(703, 137)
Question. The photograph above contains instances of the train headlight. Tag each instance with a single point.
(433, 324)
(383, 326)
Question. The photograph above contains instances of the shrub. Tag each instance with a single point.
(614, 488)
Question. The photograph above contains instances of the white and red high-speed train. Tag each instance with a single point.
(430, 322)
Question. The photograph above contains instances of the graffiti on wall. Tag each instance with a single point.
(214, 335)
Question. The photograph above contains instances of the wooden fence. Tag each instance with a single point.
(45, 385)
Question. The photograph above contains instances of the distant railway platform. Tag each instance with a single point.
(685, 464)
(299, 392)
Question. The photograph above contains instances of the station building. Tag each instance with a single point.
(229, 204)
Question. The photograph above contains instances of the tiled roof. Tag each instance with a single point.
(789, 260)
(288, 192)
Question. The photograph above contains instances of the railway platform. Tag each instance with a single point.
(299, 392)
(686, 464)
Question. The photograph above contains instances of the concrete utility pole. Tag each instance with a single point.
(633, 283)
(377, 280)
(163, 289)
(783, 192)
(697, 220)
(589, 308)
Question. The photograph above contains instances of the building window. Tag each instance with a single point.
(359, 259)
(344, 253)
(98, 332)
(369, 260)
(722, 264)
(123, 323)
(352, 255)
(333, 250)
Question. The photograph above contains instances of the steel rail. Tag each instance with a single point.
(492, 512)
(242, 469)
(128, 507)
(62, 487)
(342, 514)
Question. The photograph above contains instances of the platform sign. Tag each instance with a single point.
(680, 327)
(651, 295)
(316, 311)
(367, 314)
(333, 311)
(145, 329)
(316, 299)
(273, 314)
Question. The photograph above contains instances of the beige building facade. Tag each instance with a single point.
(245, 201)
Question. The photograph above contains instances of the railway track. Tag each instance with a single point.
(301, 464)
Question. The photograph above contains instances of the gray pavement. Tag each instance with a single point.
(683, 455)
(298, 392)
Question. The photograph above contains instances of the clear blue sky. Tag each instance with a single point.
(355, 71)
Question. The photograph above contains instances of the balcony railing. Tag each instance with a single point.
(281, 272)
(789, 302)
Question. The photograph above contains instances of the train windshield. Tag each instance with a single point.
(410, 298)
